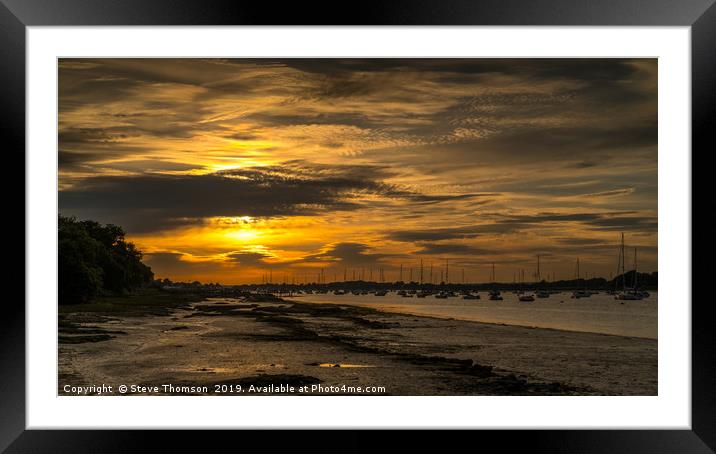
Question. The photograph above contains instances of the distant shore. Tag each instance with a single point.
(156, 339)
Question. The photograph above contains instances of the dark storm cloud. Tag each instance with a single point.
(501, 224)
(617, 221)
(181, 128)
(347, 119)
(339, 179)
(243, 136)
(158, 200)
(163, 259)
(250, 259)
(150, 202)
(69, 159)
(80, 147)
(172, 264)
(544, 68)
(348, 254)
(531, 144)
(584, 165)
(84, 136)
(536, 142)
(624, 223)
(96, 89)
(150, 165)
(352, 175)
(76, 160)
(118, 76)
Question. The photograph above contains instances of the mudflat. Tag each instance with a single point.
(236, 346)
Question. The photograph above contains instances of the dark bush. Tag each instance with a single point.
(95, 258)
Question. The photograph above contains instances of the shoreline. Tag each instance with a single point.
(516, 325)
(240, 342)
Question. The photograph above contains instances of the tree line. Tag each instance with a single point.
(95, 259)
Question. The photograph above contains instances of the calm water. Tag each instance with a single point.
(597, 314)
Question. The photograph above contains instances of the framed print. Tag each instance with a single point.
(416, 217)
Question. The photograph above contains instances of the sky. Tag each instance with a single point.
(234, 170)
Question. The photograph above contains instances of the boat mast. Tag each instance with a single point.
(635, 273)
(623, 265)
(577, 268)
(538, 275)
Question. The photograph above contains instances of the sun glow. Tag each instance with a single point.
(243, 235)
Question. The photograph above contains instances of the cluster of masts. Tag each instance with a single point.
(421, 274)
(627, 293)
(433, 275)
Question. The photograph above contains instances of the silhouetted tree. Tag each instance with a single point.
(94, 258)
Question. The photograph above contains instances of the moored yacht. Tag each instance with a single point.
(495, 295)
(581, 294)
(628, 294)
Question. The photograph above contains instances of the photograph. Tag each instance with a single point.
(357, 226)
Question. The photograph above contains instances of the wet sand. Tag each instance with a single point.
(231, 342)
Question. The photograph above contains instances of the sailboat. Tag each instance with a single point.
(494, 294)
(580, 293)
(524, 297)
(540, 293)
(628, 294)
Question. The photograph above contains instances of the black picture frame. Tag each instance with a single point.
(16, 15)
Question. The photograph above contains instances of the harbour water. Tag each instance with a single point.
(600, 313)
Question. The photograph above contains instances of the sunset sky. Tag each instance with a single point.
(223, 170)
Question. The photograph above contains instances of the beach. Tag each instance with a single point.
(231, 346)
